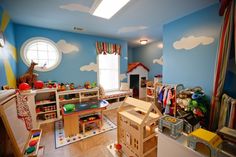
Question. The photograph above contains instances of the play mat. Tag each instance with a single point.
(91, 130)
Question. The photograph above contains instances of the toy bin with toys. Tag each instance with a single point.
(32, 147)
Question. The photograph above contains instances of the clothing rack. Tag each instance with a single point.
(177, 88)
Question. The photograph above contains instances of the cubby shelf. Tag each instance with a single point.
(69, 100)
(46, 112)
(45, 103)
(44, 98)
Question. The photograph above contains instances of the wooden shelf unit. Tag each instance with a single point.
(40, 98)
(46, 97)
(76, 95)
(154, 89)
(136, 127)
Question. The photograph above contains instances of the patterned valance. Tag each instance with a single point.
(108, 48)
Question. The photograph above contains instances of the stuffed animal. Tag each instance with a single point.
(149, 83)
(94, 84)
(29, 77)
(72, 86)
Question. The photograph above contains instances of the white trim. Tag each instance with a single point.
(118, 73)
(31, 40)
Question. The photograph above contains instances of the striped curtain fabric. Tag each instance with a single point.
(227, 112)
(222, 60)
(107, 48)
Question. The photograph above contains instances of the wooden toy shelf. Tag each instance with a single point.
(136, 127)
(46, 105)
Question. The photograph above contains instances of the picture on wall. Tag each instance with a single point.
(143, 82)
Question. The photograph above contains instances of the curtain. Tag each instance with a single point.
(108, 48)
(225, 40)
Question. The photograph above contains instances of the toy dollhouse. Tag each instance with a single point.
(136, 127)
(137, 75)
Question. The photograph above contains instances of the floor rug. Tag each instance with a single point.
(91, 130)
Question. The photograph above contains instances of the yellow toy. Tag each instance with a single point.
(200, 137)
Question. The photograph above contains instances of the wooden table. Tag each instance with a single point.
(71, 119)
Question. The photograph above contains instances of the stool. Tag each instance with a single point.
(91, 119)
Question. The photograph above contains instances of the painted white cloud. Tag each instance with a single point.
(65, 47)
(158, 61)
(131, 29)
(91, 67)
(191, 42)
(122, 77)
(75, 7)
(126, 58)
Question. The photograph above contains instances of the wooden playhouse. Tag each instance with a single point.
(136, 125)
(137, 75)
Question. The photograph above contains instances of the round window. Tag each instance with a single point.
(42, 51)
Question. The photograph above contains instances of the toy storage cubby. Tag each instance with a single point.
(46, 105)
(136, 127)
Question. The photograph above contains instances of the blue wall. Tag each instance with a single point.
(69, 68)
(193, 67)
(146, 54)
(8, 57)
(130, 54)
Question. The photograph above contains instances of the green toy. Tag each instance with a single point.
(94, 84)
(69, 107)
(198, 108)
(30, 150)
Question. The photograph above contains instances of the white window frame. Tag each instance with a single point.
(118, 73)
(32, 40)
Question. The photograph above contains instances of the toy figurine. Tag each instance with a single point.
(80, 87)
(62, 87)
(87, 85)
(94, 84)
(72, 86)
(67, 86)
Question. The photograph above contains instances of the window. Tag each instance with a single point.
(108, 74)
(42, 51)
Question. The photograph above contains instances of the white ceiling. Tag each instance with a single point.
(140, 19)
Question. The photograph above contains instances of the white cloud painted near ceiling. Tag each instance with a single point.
(158, 61)
(66, 47)
(91, 67)
(191, 42)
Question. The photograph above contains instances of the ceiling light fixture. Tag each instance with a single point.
(143, 42)
(107, 8)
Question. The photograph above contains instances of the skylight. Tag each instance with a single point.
(107, 8)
